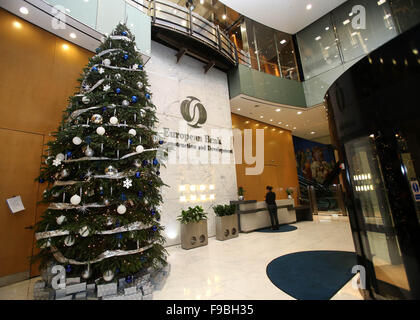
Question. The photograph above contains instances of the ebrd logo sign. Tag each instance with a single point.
(193, 112)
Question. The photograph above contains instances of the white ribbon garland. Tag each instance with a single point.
(106, 159)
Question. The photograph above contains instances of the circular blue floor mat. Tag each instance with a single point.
(312, 275)
(283, 228)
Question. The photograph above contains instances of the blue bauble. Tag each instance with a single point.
(145, 163)
(119, 236)
(103, 109)
(117, 271)
(138, 174)
(94, 69)
(123, 197)
(158, 173)
(68, 268)
(41, 180)
(97, 50)
(117, 223)
(69, 154)
(147, 96)
(154, 228)
(140, 67)
(142, 259)
(126, 57)
(129, 279)
(161, 141)
(130, 141)
(140, 194)
(153, 212)
(88, 140)
(118, 90)
(134, 99)
(155, 162)
(124, 33)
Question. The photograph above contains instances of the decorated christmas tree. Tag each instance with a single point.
(102, 170)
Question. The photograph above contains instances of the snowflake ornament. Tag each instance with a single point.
(56, 162)
(107, 87)
(128, 183)
(101, 70)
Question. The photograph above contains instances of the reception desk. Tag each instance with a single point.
(253, 215)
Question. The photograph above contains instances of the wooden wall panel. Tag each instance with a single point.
(279, 158)
(37, 76)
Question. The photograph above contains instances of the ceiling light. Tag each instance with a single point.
(299, 112)
(280, 122)
(415, 51)
(327, 48)
(294, 128)
(313, 132)
(24, 10)
(224, 17)
(202, 1)
(239, 109)
(381, 2)
(283, 41)
(73, 35)
(68, 10)
(287, 125)
(282, 131)
(278, 110)
(17, 25)
(318, 38)
(271, 120)
(262, 117)
(246, 122)
(346, 21)
(327, 28)
(309, 7)
(65, 47)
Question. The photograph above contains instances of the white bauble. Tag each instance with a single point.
(108, 275)
(75, 200)
(77, 141)
(106, 62)
(60, 157)
(142, 113)
(132, 132)
(121, 209)
(100, 131)
(125, 103)
(84, 231)
(140, 85)
(60, 219)
(87, 273)
(113, 120)
(89, 152)
(139, 149)
(69, 241)
(109, 221)
(85, 100)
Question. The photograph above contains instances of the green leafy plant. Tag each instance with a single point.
(224, 210)
(241, 191)
(195, 214)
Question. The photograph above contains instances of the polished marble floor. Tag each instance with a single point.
(235, 269)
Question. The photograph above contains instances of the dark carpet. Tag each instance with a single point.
(283, 228)
(312, 275)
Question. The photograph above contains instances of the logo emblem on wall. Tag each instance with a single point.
(193, 112)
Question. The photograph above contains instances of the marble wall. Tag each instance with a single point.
(171, 84)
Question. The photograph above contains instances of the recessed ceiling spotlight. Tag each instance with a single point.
(309, 6)
(283, 41)
(17, 25)
(201, 1)
(262, 117)
(24, 10)
(239, 109)
(280, 122)
(299, 112)
(313, 132)
(224, 17)
(73, 35)
(327, 28)
(318, 38)
(65, 47)
(271, 120)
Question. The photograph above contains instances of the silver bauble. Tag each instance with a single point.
(140, 85)
(125, 103)
(118, 76)
(69, 241)
(121, 209)
(111, 171)
(132, 132)
(86, 273)
(143, 113)
(106, 62)
(89, 152)
(109, 221)
(97, 119)
(60, 220)
(108, 275)
(60, 157)
(84, 231)
(106, 202)
(77, 141)
(64, 173)
(85, 100)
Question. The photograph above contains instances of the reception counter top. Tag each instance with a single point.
(253, 215)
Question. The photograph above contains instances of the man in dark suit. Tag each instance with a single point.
(270, 199)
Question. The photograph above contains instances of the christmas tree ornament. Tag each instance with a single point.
(77, 141)
(85, 100)
(97, 50)
(69, 241)
(155, 162)
(86, 274)
(117, 76)
(124, 33)
(106, 62)
(138, 174)
(60, 157)
(111, 171)
(41, 180)
(69, 154)
(125, 103)
(132, 132)
(75, 200)
(113, 120)
(64, 173)
(88, 140)
(106, 87)
(143, 113)
(129, 279)
(158, 173)
(128, 183)
(137, 163)
(135, 66)
(121, 209)
(68, 268)
(134, 99)
(148, 96)
(46, 244)
(96, 119)
(108, 275)
(84, 231)
(100, 131)
(161, 142)
(109, 221)
(118, 90)
(101, 70)
(89, 152)
(126, 57)
(106, 202)
(140, 194)
(94, 69)
(140, 67)
(139, 149)
(140, 85)
(56, 162)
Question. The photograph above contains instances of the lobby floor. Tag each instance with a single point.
(235, 269)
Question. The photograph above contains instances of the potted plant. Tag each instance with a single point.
(226, 222)
(241, 193)
(289, 192)
(193, 228)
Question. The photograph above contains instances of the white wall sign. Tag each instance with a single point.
(15, 204)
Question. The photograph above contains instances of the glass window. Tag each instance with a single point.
(110, 13)
(406, 13)
(286, 55)
(83, 11)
